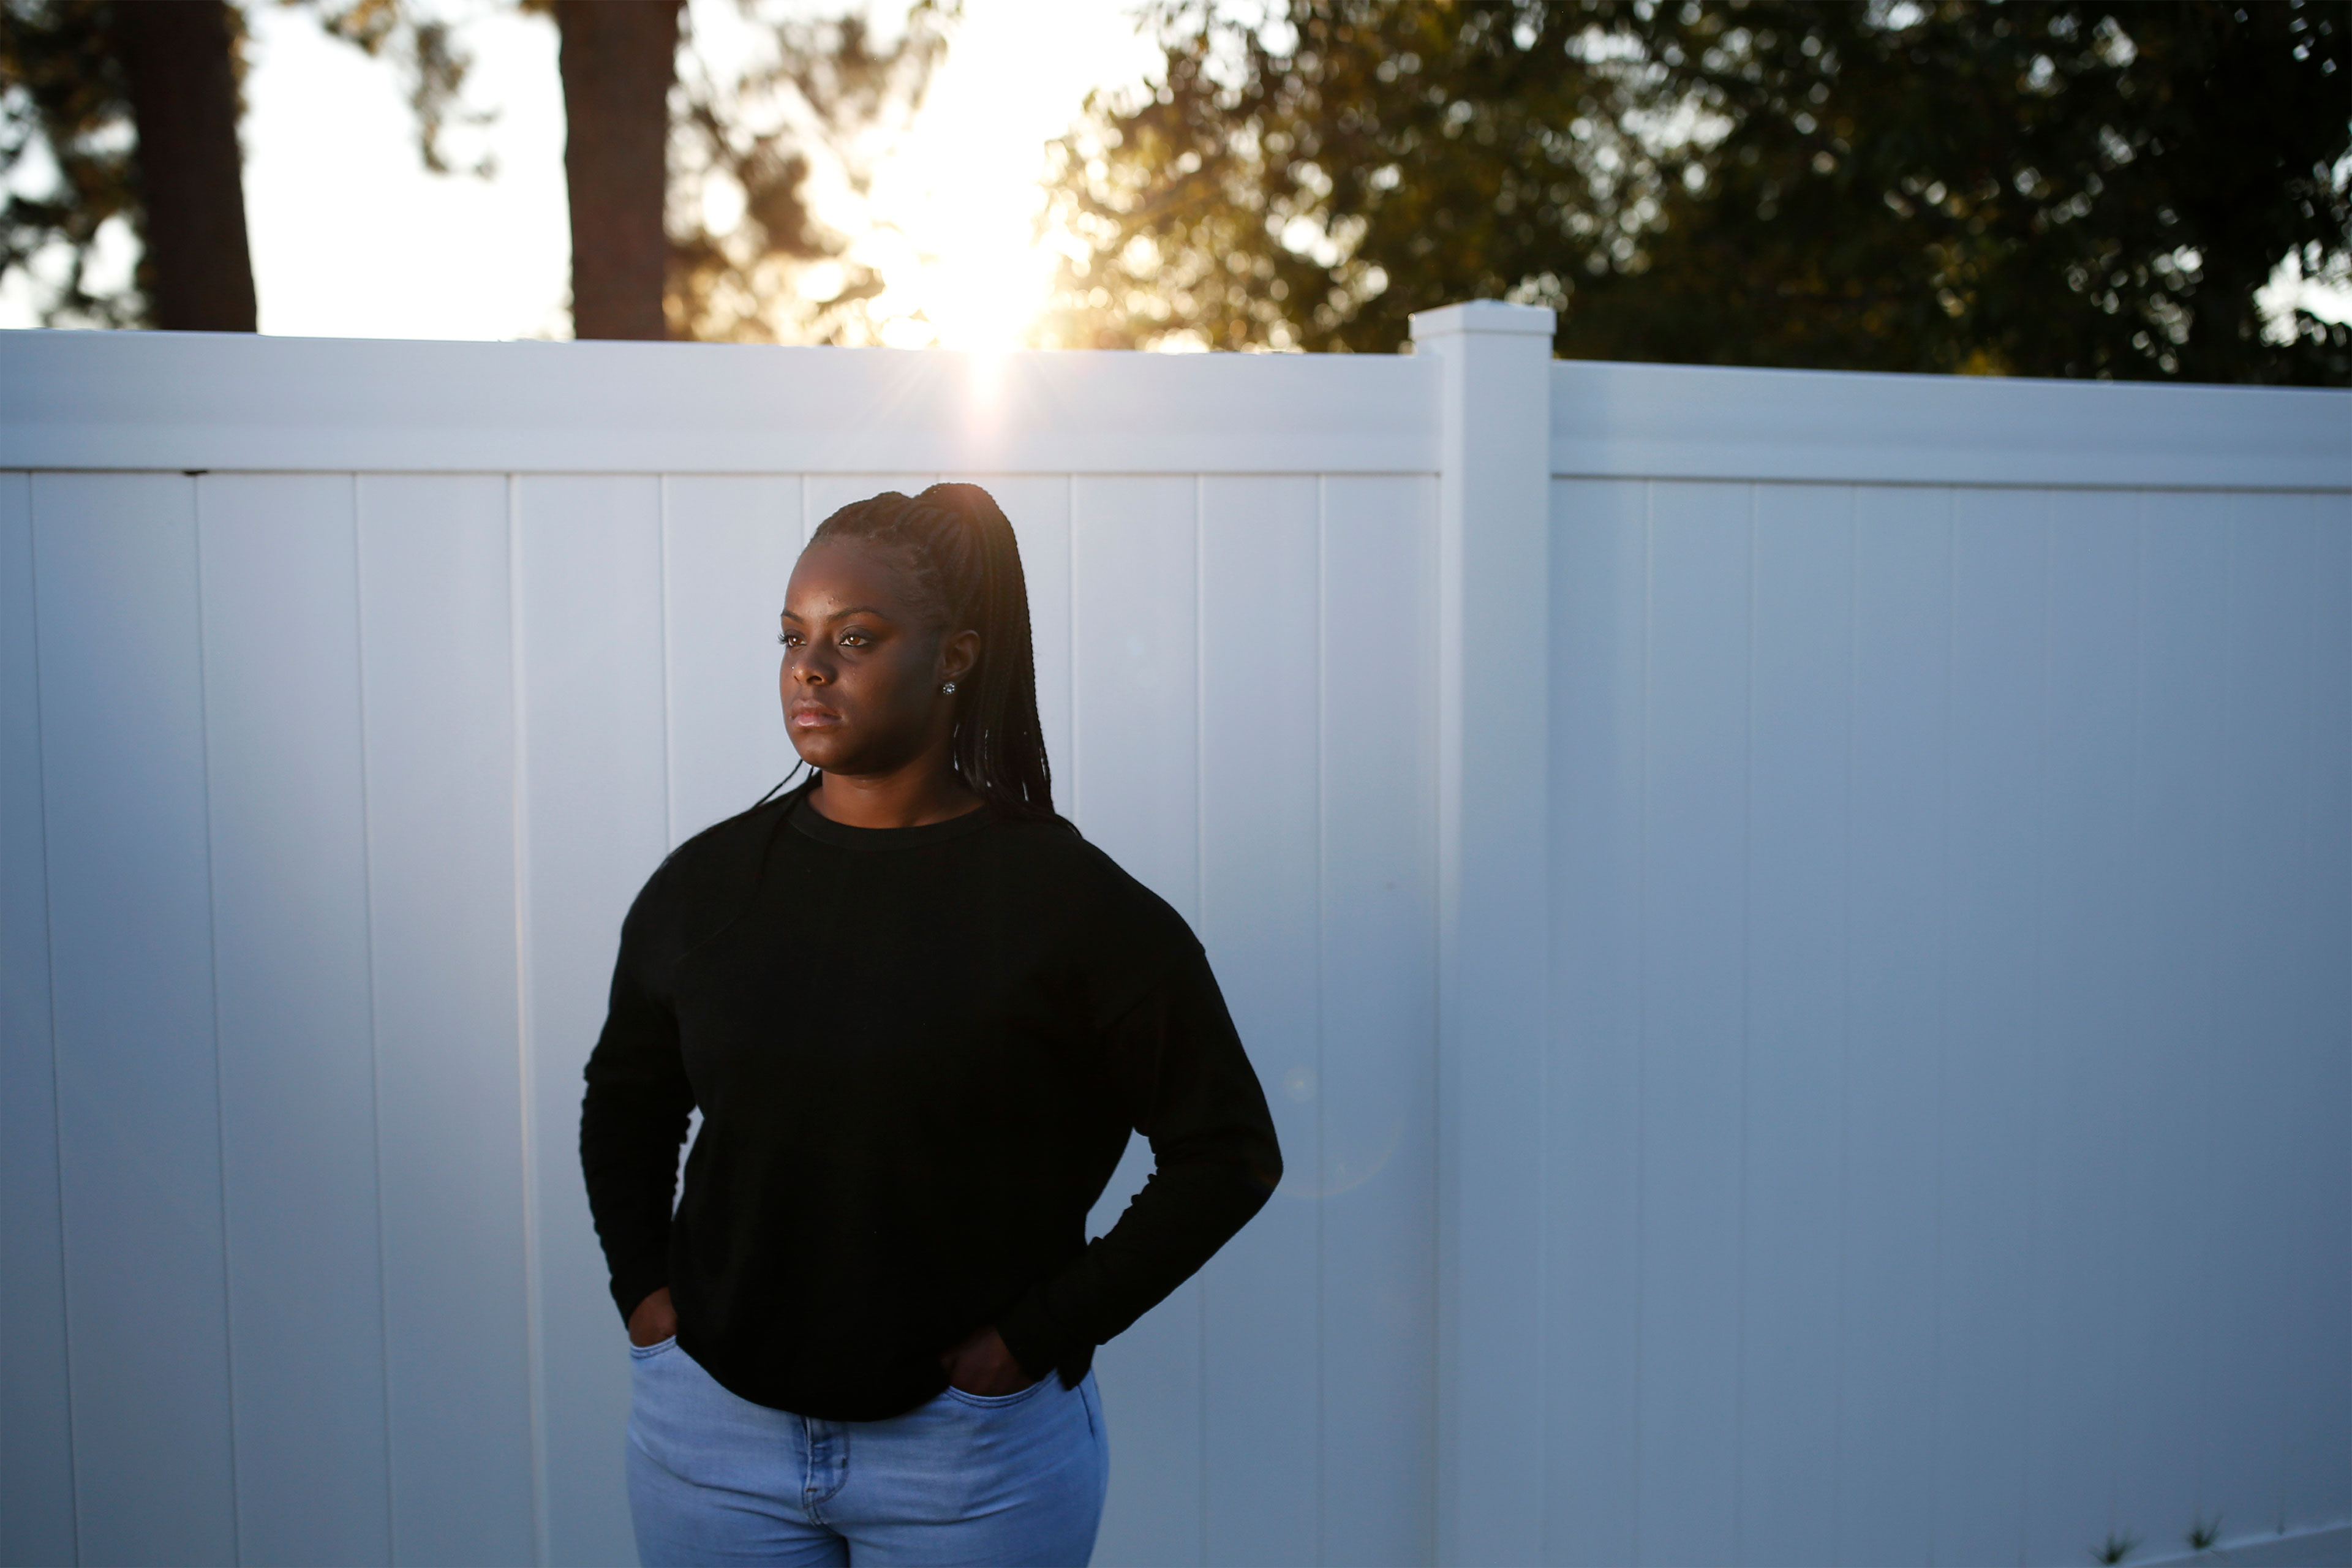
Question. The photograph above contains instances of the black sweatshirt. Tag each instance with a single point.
(917, 1053)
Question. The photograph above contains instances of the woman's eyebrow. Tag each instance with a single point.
(851, 610)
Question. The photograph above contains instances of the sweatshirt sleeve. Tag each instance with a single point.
(1189, 1087)
(633, 1119)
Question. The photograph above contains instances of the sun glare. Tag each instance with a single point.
(956, 209)
(958, 254)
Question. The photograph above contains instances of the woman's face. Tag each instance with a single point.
(863, 662)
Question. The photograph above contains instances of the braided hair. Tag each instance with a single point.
(959, 550)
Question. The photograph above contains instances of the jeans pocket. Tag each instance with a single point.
(999, 1401)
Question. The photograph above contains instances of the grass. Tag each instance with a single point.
(2116, 1547)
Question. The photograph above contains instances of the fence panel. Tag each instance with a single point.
(1936, 1149)
(1950, 889)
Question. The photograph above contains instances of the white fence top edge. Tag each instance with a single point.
(183, 400)
(1654, 421)
(169, 400)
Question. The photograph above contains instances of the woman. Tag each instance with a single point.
(919, 1015)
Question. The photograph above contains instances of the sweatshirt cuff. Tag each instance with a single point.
(1037, 1341)
(630, 1293)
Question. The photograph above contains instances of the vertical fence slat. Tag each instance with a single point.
(296, 1057)
(2319, 1412)
(1377, 1172)
(138, 1103)
(2164, 1313)
(438, 685)
(1693, 1046)
(597, 823)
(729, 543)
(1888, 1288)
(1592, 1394)
(1987, 1186)
(1792, 1138)
(2266, 1047)
(2090, 900)
(1135, 560)
(1260, 832)
(36, 1486)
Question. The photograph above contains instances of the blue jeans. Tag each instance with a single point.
(1018, 1478)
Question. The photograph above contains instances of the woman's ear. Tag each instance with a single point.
(958, 652)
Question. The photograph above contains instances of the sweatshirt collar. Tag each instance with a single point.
(807, 819)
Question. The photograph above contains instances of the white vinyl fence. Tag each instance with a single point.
(1798, 928)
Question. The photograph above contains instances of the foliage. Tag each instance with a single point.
(1308, 187)
(822, 105)
(65, 101)
(2033, 188)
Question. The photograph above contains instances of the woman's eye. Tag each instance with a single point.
(853, 639)
(787, 638)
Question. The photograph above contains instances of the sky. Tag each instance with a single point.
(352, 238)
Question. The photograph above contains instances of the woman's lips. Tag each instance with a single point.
(813, 718)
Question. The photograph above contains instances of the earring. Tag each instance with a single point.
(948, 689)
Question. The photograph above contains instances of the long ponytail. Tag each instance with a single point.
(966, 561)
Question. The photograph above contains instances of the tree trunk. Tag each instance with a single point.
(618, 58)
(175, 56)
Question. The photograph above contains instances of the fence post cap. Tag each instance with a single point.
(1482, 316)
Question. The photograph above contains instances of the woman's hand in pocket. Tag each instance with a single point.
(982, 1366)
(652, 1319)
